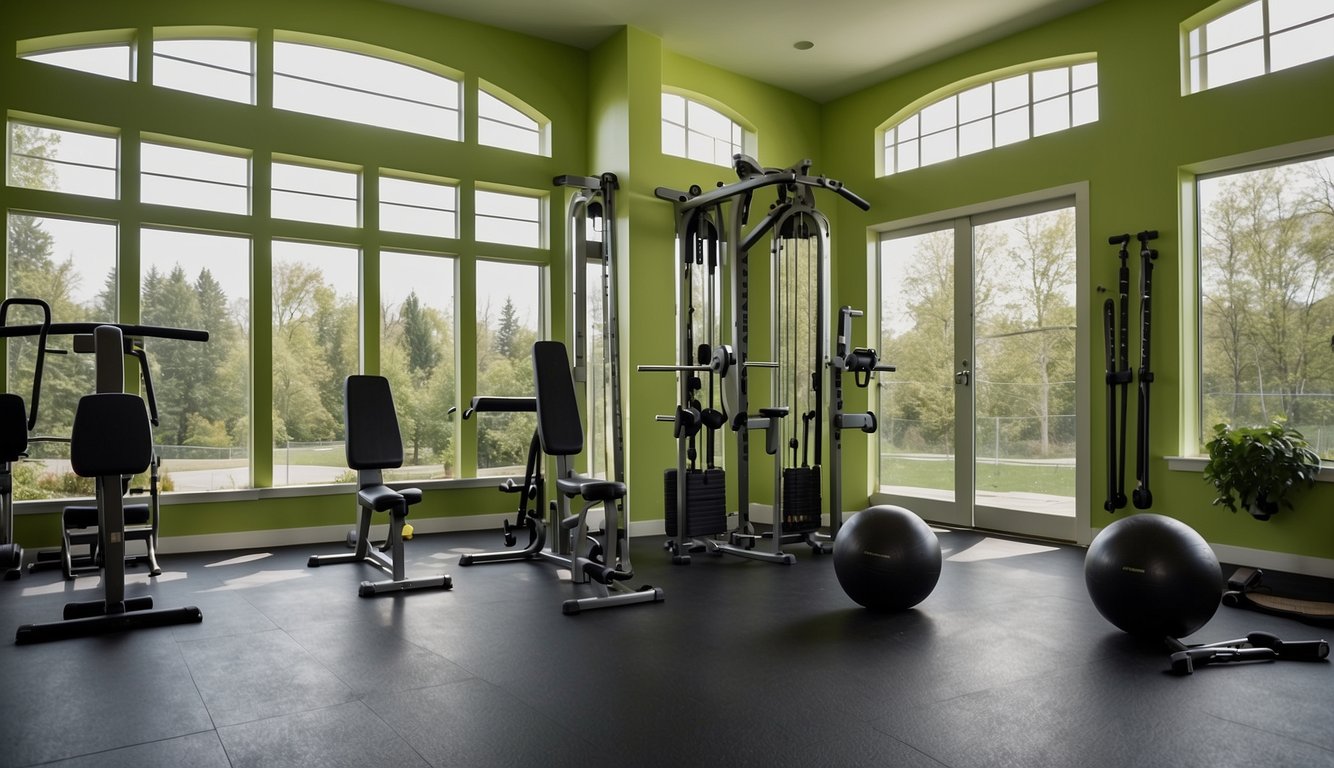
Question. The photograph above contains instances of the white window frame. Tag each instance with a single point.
(172, 35)
(450, 129)
(1195, 43)
(540, 222)
(48, 50)
(739, 142)
(1190, 455)
(533, 122)
(185, 178)
(890, 136)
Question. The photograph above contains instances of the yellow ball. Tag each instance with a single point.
(407, 531)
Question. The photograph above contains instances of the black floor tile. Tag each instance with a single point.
(259, 675)
(198, 750)
(745, 663)
(347, 735)
(72, 697)
(472, 723)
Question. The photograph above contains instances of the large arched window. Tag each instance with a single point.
(170, 217)
(696, 131)
(983, 113)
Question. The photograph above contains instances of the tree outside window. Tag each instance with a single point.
(1266, 240)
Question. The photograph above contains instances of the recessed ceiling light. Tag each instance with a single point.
(803, 45)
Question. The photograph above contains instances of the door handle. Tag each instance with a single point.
(963, 376)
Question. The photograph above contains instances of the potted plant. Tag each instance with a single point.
(1256, 468)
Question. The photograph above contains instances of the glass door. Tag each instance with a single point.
(978, 426)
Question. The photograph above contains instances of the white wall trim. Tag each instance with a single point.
(1275, 561)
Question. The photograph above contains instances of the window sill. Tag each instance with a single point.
(1196, 464)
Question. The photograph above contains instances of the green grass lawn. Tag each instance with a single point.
(1056, 480)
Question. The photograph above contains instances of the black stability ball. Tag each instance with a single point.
(1153, 576)
(886, 558)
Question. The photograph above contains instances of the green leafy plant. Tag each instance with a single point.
(1256, 468)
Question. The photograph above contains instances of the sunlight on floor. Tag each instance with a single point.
(240, 559)
(998, 549)
(260, 579)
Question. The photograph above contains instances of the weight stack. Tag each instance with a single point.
(801, 499)
(706, 502)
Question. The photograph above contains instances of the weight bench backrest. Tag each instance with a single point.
(558, 424)
(13, 427)
(370, 424)
(111, 436)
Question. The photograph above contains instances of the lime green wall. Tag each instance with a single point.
(1131, 159)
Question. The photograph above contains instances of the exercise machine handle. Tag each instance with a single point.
(498, 404)
(43, 330)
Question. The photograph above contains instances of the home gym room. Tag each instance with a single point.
(924, 384)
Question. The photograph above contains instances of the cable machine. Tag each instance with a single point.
(714, 242)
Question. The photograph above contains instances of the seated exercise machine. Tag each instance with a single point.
(111, 438)
(564, 539)
(605, 563)
(374, 444)
(13, 446)
(79, 522)
(15, 424)
(79, 528)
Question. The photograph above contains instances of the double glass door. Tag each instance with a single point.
(981, 424)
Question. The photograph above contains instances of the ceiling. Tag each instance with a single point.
(857, 42)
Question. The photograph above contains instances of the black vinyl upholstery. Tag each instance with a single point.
(558, 424)
(373, 439)
(13, 427)
(111, 436)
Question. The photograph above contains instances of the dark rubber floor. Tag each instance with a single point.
(746, 663)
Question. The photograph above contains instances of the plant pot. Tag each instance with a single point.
(1263, 509)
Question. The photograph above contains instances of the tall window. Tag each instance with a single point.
(223, 69)
(509, 320)
(365, 89)
(76, 162)
(697, 131)
(71, 264)
(509, 219)
(202, 281)
(315, 322)
(417, 356)
(501, 125)
(996, 113)
(1258, 38)
(1266, 250)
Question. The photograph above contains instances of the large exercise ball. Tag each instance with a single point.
(1153, 576)
(886, 558)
